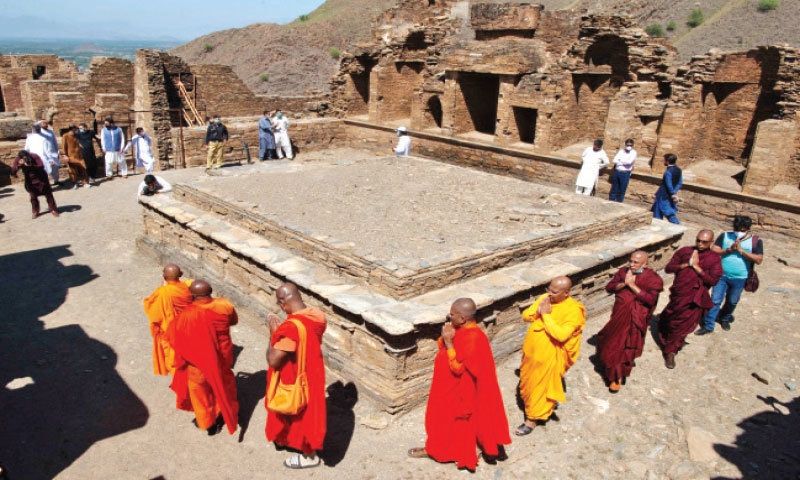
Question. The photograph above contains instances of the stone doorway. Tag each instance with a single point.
(525, 119)
(434, 111)
(480, 93)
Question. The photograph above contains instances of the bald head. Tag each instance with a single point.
(289, 299)
(172, 272)
(559, 288)
(465, 307)
(638, 261)
(200, 289)
(704, 239)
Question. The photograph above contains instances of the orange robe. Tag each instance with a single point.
(550, 348)
(161, 307)
(75, 162)
(203, 381)
(465, 407)
(305, 431)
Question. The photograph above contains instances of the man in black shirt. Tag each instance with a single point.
(86, 139)
(216, 136)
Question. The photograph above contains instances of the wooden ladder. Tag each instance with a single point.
(192, 116)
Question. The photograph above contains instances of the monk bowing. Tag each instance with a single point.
(696, 270)
(300, 333)
(636, 289)
(161, 307)
(203, 381)
(465, 408)
(550, 348)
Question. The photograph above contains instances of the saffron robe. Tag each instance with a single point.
(550, 348)
(621, 341)
(465, 408)
(203, 381)
(688, 297)
(304, 432)
(161, 307)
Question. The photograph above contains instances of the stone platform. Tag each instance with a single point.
(385, 245)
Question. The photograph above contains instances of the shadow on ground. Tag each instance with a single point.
(769, 445)
(341, 422)
(251, 388)
(62, 392)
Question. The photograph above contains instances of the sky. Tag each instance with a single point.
(140, 19)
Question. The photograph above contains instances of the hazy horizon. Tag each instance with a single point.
(147, 20)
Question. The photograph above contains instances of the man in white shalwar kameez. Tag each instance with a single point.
(54, 158)
(280, 127)
(594, 158)
(403, 148)
(40, 144)
(112, 141)
(143, 150)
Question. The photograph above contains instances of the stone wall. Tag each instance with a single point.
(8, 152)
(306, 135)
(698, 203)
(36, 95)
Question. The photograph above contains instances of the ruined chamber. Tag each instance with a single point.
(384, 247)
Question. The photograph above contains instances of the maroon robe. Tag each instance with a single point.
(36, 182)
(688, 297)
(621, 341)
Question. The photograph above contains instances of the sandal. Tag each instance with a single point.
(417, 453)
(523, 430)
(299, 461)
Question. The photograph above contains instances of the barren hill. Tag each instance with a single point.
(298, 57)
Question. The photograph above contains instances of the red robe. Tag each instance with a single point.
(197, 343)
(304, 432)
(465, 408)
(688, 297)
(621, 341)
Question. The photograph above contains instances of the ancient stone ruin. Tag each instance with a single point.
(500, 99)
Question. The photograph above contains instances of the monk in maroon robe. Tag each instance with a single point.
(696, 270)
(465, 407)
(36, 181)
(621, 341)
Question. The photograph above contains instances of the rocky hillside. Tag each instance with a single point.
(301, 56)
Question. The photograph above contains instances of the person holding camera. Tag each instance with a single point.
(36, 181)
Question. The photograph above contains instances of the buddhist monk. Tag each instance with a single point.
(76, 165)
(550, 348)
(305, 431)
(203, 381)
(696, 270)
(465, 408)
(161, 308)
(636, 288)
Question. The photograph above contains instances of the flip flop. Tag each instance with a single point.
(298, 461)
(417, 453)
(523, 430)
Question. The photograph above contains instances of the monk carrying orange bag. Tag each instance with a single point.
(292, 398)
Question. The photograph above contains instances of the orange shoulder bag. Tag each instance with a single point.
(291, 399)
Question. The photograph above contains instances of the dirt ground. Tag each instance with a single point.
(79, 400)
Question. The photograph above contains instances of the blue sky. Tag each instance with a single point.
(140, 19)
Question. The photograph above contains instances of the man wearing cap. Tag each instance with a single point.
(403, 148)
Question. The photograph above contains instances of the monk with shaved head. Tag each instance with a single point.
(550, 348)
(636, 289)
(203, 381)
(465, 408)
(161, 307)
(696, 269)
(296, 348)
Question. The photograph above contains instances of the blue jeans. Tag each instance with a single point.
(727, 290)
(619, 185)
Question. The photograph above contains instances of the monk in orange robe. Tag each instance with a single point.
(636, 288)
(465, 408)
(203, 381)
(551, 346)
(305, 431)
(161, 307)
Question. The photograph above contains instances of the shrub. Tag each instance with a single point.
(767, 5)
(655, 30)
(696, 18)
(264, 77)
(303, 18)
(335, 53)
(671, 26)
(208, 47)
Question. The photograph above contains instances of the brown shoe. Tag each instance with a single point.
(417, 453)
(614, 387)
(669, 360)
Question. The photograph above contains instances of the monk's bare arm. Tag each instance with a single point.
(276, 358)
